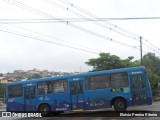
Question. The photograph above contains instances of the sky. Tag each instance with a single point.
(30, 37)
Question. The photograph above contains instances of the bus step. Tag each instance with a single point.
(78, 110)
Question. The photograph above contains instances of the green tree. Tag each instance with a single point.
(2, 90)
(152, 64)
(34, 76)
(129, 63)
(19, 77)
(105, 61)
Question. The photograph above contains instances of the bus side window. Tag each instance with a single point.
(80, 87)
(73, 88)
(44, 87)
(27, 93)
(142, 81)
(119, 80)
(97, 82)
(134, 81)
(59, 86)
(32, 89)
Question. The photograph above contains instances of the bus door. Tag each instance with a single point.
(138, 87)
(77, 96)
(29, 98)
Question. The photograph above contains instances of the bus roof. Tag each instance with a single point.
(80, 75)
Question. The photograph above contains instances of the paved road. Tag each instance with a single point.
(100, 114)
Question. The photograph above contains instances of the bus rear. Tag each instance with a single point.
(140, 88)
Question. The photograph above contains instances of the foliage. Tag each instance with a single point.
(19, 77)
(152, 64)
(34, 76)
(2, 89)
(107, 61)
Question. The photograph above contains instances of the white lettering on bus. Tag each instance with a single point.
(75, 79)
(11, 100)
(137, 72)
(30, 84)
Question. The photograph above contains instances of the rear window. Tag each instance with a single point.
(15, 91)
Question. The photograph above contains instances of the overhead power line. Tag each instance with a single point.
(90, 18)
(55, 38)
(47, 41)
(120, 31)
(94, 16)
(77, 19)
(108, 23)
(18, 21)
(28, 8)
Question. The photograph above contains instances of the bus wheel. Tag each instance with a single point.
(44, 109)
(120, 105)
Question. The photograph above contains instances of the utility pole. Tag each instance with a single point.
(141, 49)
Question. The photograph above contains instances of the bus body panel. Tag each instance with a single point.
(61, 102)
(73, 93)
(15, 104)
(97, 99)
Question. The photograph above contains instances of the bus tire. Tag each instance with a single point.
(120, 105)
(44, 109)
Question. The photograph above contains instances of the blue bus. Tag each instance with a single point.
(119, 88)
